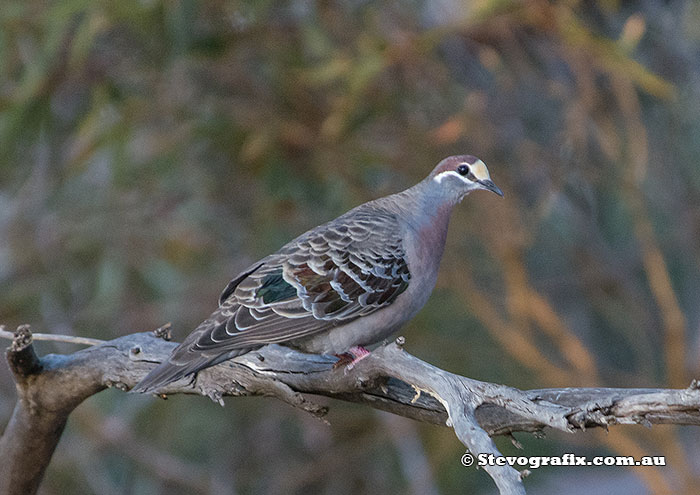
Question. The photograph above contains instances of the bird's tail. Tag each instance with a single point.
(184, 361)
(168, 372)
(188, 358)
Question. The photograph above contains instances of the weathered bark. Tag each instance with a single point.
(50, 387)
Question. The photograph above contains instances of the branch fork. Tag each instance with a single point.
(390, 379)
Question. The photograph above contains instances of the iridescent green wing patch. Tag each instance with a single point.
(274, 288)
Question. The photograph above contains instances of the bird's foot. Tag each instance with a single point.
(349, 359)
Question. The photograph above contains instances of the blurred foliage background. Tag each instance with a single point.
(149, 150)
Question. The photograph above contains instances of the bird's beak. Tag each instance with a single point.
(490, 186)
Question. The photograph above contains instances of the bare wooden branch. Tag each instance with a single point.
(390, 379)
(70, 339)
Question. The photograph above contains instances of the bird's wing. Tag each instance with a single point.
(337, 272)
(329, 276)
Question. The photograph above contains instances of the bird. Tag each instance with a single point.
(340, 287)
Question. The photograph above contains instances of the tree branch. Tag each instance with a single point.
(50, 387)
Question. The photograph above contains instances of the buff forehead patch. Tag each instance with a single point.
(479, 170)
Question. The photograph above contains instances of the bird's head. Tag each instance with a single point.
(457, 176)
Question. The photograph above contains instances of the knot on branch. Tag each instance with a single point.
(21, 357)
(22, 339)
(164, 332)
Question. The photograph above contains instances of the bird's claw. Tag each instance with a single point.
(350, 358)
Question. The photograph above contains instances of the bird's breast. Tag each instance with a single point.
(424, 248)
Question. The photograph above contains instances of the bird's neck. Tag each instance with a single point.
(427, 212)
(431, 203)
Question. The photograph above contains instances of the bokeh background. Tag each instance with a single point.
(149, 150)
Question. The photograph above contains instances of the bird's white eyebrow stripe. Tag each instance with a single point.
(441, 176)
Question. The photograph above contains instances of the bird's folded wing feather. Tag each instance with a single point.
(329, 276)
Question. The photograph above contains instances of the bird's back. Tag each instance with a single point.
(323, 280)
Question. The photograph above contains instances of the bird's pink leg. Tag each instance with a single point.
(354, 355)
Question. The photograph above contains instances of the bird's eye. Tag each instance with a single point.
(463, 169)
